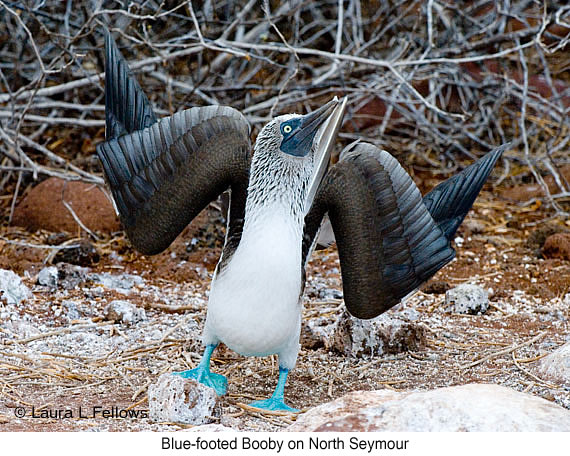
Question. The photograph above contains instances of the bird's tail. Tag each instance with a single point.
(127, 108)
(449, 202)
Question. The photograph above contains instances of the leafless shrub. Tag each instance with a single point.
(431, 81)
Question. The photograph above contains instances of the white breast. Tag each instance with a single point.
(254, 303)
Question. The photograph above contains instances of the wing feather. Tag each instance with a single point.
(162, 173)
(449, 202)
(163, 176)
(127, 108)
(389, 239)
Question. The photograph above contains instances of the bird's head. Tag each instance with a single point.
(291, 153)
(294, 134)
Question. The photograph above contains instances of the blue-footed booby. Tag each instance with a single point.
(163, 172)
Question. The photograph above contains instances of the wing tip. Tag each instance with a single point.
(127, 107)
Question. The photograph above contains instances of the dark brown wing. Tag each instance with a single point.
(162, 173)
(388, 242)
(162, 176)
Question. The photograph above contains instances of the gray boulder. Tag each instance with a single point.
(387, 333)
(124, 311)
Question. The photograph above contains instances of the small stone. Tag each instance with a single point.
(436, 287)
(556, 366)
(557, 246)
(57, 238)
(329, 293)
(12, 289)
(467, 299)
(124, 311)
(48, 277)
(538, 237)
(70, 276)
(410, 314)
(72, 313)
(84, 254)
(121, 283)
(95, 292)
(181, 400)
(384, 334)
(474, 226)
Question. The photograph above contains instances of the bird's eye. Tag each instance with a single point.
(287, 128)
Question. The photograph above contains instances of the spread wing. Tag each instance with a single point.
(389, 239)
(162, 173)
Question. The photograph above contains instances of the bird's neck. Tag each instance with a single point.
(276, 194)
(275, 220)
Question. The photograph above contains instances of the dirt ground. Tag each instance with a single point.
(68, 355)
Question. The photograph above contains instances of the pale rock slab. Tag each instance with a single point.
(556, 365)
(12, 290)
(384, 334)
(467, 299)
(472, 408)
(181, 400)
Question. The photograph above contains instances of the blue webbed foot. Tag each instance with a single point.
(273, 404)
(204, 376)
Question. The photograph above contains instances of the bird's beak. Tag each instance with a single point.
(324, 143)
(300, 143)
(311, 122)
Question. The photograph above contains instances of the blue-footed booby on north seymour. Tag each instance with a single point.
(163, 172)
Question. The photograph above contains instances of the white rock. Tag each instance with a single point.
(181, 400)
(12, 289)
(467, 299)
(556, 365)
(384, 334)
(473, 407)
(124, 311)
(48, 277)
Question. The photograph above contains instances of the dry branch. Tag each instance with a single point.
(429, 81)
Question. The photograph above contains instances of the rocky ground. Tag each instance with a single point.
(89, 323)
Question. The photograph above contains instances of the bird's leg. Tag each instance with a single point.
(276, 401)
(203, 375)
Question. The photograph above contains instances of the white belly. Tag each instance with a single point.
(254, 305)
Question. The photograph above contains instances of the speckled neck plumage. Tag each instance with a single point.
(277, 180)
